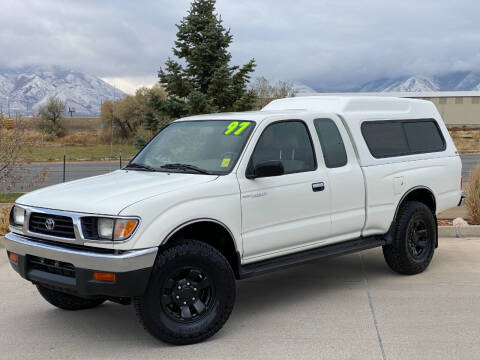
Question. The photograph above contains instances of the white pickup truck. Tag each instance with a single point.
(219, 197)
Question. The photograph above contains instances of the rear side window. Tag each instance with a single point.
(332, 144)
(402, 137)
(423, 137)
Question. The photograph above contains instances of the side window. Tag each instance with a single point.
(385, 139)
(288, 142)
(402, 137)
(423, 137)
(332, 144)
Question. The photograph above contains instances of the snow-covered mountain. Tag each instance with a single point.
(454, 81)
(24, 90)
(300, 88)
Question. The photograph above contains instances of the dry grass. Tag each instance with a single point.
(89, 152)
(72, 124)
(79, 145)
(4, 214)
(473, 197)
(467, 140)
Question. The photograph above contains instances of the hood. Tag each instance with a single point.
(110, 193)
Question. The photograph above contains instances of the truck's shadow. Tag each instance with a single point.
(268, 295)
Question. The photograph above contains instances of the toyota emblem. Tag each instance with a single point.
(49, 224)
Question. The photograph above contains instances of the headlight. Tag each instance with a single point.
(105, 228)
(18, 216)
(109, 228)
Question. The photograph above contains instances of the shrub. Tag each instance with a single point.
(473, 197)
(4, 214)
(51, 118)
(52, 129)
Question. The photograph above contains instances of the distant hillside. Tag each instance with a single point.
(453, 81)
(24, 90)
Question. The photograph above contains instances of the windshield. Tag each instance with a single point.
(211, 147)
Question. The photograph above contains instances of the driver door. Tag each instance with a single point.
(287, 212)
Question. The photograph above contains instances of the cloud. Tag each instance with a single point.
(324, 44)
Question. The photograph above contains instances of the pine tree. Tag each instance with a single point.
(207, 83)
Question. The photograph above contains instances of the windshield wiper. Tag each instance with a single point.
(185, 167)
(140, 167)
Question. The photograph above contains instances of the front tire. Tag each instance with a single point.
(190, 295)
(414, 237)
(67, 301)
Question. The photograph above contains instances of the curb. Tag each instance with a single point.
(459, 231)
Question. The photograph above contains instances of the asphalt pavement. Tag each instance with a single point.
(350, 307)
(73, 171)
(78, 170)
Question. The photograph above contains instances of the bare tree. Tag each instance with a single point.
(267, 92)
(13, 150)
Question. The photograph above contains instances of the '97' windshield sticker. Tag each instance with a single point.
(225, 163)
(236, 128)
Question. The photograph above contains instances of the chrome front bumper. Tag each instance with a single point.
(85, 259)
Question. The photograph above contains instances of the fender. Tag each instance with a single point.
(410, 191)
(190, 222)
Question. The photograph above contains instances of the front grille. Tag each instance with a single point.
(50, 266)
(63, 226)
(89, 228)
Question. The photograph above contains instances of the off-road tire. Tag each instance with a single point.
(67, 301)
(399, 255)
(156, 314)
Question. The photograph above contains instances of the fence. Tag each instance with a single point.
(64, 167)
(59, 172)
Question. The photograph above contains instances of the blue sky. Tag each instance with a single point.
(317, 42)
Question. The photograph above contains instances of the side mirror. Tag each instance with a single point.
(267, 169)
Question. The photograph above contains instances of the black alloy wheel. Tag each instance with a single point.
(187, 294)
(417, 238)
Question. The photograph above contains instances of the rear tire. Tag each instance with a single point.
(190, 295)
(67, 301)
(414, 237)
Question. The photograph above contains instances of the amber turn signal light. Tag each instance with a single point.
(104, 276)
(124, 228)
(13, 257)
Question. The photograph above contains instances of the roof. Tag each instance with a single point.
(365, 106)
(350, 104)
(404, 94)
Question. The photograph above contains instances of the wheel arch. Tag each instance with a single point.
(212, 232)
(421, 194)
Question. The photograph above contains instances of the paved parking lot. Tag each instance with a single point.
(350, 307)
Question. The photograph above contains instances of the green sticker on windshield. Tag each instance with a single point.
(236, 128)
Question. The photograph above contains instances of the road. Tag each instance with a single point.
(350, 307)
(78, 170)
(73, 171)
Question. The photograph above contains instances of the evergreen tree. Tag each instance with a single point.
(207, 83)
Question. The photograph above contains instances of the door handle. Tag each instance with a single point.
(320, 186)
